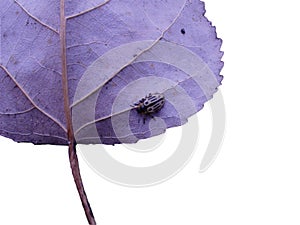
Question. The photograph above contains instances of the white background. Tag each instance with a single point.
(255, 179)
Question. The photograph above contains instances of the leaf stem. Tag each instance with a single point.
(78, 181)
(70, 133)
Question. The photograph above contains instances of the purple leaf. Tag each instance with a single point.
(117, 52)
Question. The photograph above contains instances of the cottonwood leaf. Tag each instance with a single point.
(117, 52)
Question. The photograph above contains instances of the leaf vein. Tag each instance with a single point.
(35, 18)
(88, 10)
(18, 113)
(35, 133)
(31, 100)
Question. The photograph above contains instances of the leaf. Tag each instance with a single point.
(116, 52)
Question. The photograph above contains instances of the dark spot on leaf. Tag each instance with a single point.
(4, 35)
(17, 12)
(135, 55)
(13, 60)
(182, 31)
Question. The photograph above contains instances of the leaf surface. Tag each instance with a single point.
(117, 52)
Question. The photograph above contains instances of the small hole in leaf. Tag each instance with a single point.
(182, 31)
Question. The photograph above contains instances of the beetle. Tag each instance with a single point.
(151, 103)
